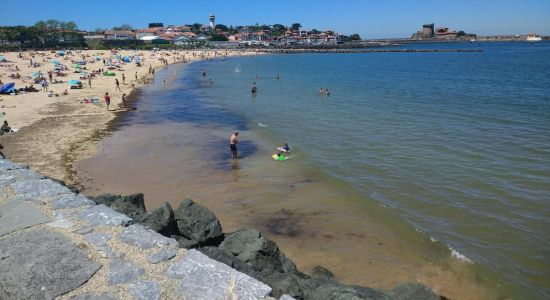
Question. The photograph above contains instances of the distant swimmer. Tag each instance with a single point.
(327, 92)
(254, 88)
(233, 144)
(322, 92)
(203, 72)
(277, 76)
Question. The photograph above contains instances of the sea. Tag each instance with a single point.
(418, 167)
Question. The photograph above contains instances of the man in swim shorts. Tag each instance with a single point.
(233, 144)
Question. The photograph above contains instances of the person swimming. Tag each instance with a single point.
(254, 88)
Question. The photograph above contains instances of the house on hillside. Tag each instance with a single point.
(119, 35)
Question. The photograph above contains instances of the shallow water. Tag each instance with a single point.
(455, 145)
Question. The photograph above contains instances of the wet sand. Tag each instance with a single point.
(315, 219)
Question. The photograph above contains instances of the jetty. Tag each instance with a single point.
(56, 243)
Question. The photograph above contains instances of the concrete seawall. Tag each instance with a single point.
(58, 244)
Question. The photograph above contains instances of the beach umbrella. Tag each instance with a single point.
(37, 74)
(7, 87)
(3, 59)
(55, 62)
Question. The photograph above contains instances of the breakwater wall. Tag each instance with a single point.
(55, 243)
(299, 51)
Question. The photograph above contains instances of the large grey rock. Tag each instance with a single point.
(20, 174)
(93, 297)
(132, 205)
(205, 278)
(186, 243)
(67, 201)
(162, 255)
(60, 221)
(161, 220)
(16, 214)
(323, 273)
(297, 285)
(6, 165)
(228, 259)
(286, 297)
(145, 290)
(261, 254)
(99, 241)
(333, 290)
(39, 189)
(102, 215)
(407, 291)
(122, 271)
(143, 238)
(42, 265)
(197, 223)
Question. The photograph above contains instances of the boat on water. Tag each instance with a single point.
(533, 38)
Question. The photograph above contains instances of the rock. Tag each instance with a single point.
(143, 238)
(60, 221)
(333, 290)
(42, 265)
(320, 272)
(145, 290)
(67, 201)
(296, 285)
(286, 297)
(162, 255)
(412, 291)
(122, 271)
(84, 230)
(205, 278)
(16, 214)
(6, 165)
(261, 254)
(198, 223)
(61, 182)
(99, 242)
(161, 220)
(94, 297)
(39, 189)
(102, 215)
(133, 205)
(230, 260)
(185, 243)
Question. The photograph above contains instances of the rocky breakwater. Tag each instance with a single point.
(248, 251)
(57, 244)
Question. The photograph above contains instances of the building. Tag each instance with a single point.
(427, 33)
(119, 35)
(212, 24)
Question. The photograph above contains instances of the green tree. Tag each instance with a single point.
(217, 37)
(278, 27)
(123, 27)
(460, 33)
(52, 24)
(71, 26)
(295, 26)
(221, 27)
(355, 37)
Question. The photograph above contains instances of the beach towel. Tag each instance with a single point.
(74, 82)
(55, 62)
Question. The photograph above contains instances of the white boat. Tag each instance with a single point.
(533, 38)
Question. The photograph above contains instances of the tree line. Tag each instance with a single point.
(50, 33)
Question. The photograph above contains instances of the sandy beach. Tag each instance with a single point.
(54, 132)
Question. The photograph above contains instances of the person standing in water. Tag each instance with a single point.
(233, 144)
(254, 89)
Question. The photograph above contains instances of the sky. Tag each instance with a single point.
(369, 18)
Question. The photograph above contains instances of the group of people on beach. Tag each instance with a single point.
(234, 140)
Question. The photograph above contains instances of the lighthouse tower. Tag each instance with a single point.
(212, 18)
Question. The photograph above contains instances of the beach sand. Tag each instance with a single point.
(54, 132)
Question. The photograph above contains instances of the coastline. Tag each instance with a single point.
(56, 132)
(82, 144)
(234, 214)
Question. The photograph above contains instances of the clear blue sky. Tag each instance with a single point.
(370, 18)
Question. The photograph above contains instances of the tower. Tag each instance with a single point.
(428, 30)
(212, 18)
